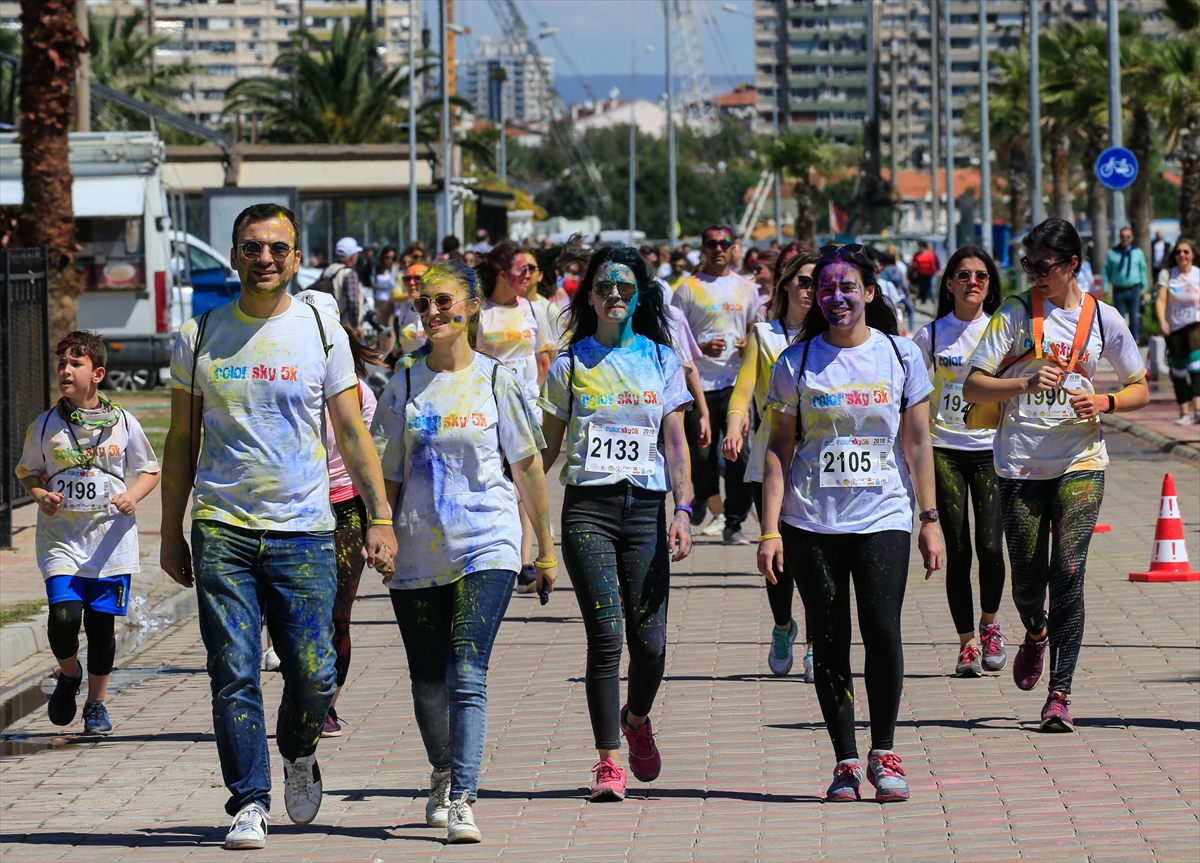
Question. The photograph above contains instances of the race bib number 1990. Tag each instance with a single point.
(82, 490)
(614, 448)
(854, 462)
(1052, 404)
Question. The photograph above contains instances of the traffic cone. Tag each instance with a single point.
(1169, 562)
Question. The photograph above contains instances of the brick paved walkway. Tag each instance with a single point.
(746, 755)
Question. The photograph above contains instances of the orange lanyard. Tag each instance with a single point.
(1083, 330)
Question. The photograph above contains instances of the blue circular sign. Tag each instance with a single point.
(1116, 168)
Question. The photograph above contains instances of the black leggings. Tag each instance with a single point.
(614, 546)
(1071, 503)
(62, 628)
(706, 469)
(959, 473)
(779, 595)
(1183, 354)
(348, 541)
(878, 563)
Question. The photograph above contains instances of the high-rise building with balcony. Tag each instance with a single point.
(524, 92)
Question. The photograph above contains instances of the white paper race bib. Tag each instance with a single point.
(615, 448)
(951, 404)
(82, 490)
(1182, 313)
(1052, 404)
(854, 462)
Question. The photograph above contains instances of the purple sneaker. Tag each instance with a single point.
(331, 727)
(1027, 667)
(1055, 718)
(644, 760)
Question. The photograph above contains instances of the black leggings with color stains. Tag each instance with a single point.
(348, 541)
(824, 564)
(961, 474)
(1041, 562)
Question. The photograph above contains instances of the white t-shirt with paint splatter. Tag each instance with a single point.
(445, 437)
(264, 381)
(950, 360)
(514, 335)
(718, 306)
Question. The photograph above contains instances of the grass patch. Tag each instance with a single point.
(19, 610)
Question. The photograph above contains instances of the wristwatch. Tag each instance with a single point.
(928, 515)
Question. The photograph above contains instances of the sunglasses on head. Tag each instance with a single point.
(1040, 269)
(444, 303)
(253, 248)
(713, 245)
(981, 276)
(604, 289)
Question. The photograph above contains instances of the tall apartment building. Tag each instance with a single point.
(524, 92)
(231, 39)
(812, 60)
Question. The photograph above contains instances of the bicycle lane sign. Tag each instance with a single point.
(1116, 168)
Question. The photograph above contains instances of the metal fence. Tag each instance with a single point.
(24, 366)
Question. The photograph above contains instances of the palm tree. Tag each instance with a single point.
(325, 94)
(1178, 106)
(1139, 83)
(1008, 112)
(122, 58)
(799, 155)
(50, 47)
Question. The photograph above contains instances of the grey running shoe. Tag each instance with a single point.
(810, 674)
(302, 788)
(437, 807)
(1055, 718)
(847, 778)
(968, 661)
(885, 773)
(779, 660)
(735, 537)
(991, 644)
(462, 827)
(249, 829)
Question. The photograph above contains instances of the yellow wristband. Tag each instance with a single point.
(734, 411)
(767, 536)
(548, 564)
(383, 521)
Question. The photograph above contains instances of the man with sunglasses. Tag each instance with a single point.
(1126, 273)
(720, 307)
(250, 383)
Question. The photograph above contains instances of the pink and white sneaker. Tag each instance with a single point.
(610, 782)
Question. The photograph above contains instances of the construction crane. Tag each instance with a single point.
(555, 109)
(766, 183)
(702, 111)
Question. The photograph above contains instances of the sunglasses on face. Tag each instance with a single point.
(444, 303)
(521, 273)
(251, 249)
(981, 276)
(804, 283)
(713, 245)
(412, 280)
(1040, 269)
(604, 290)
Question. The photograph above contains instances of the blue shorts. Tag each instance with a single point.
(109, 595)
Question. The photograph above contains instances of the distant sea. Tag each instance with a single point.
(652, 87)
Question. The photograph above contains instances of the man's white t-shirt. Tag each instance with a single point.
(718, 306)
(514, 335)
(264, 381)
(445, 437)
(950, 361)
(848, 409)
(89, 543)
(1036, 447)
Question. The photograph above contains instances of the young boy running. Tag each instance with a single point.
(77, 458)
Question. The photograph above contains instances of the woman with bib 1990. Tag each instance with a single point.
(1038, 358)
(618, 394)
(849, 446)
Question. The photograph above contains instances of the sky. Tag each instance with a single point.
(600, 36)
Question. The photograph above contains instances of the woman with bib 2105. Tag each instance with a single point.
(849, 441)
(618, 395)
(968, 295)
(1038, 358)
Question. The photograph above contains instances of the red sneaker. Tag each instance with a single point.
(644, 760)
(610, 782)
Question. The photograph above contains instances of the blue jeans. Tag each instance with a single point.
(290, 579)
(1128, 301)
(448, 634)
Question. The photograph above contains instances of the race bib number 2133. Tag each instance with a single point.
(613, 448)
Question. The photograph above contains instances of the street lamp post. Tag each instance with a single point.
(633, 142)
(447, 221)
(1117, 201)
(985, 142)
(412, 120)
(1036, 212)
(500, 75)
(672, 202)
(951, 203)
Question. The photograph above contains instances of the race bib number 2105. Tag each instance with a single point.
(854, 462)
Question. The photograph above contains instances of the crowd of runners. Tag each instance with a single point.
(794, 393)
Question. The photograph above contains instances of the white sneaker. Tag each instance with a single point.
(271, 660)
(1184, 420)
(249, 829)
(715, 527)
(779, 657)
(462, 822)
(302, 788)
(437, 807)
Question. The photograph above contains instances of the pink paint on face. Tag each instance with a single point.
(840, 294)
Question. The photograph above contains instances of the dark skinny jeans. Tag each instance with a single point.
(824, 565)
(614, 546)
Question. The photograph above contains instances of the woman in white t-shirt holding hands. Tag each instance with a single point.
(849, 446)
(448, 421)
(1178, 309)
(1038, 357)
(968, 295)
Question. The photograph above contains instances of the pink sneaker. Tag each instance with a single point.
(1027, 668)
(644, 760)
(1055, 718)
(610, 782)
